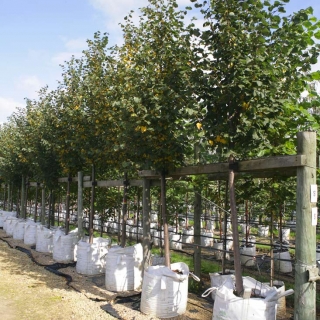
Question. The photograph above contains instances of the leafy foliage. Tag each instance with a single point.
(154, 90)
(255, 63)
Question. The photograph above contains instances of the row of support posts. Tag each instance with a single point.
(305, 254)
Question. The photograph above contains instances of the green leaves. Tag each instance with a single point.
(254, 64)
(317, 35)
(156, 51)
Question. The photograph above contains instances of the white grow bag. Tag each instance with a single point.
(263, 231)
(318, 252)
(91, 257)
(228, 306)
(285, 234)
(124, 268)
(218, 278)
(218, 246)
(248, 255)
(9, 225)
(64, 245)
(2, 219)
(18, 231)
(30, 233)
(206, 238)
(282, 260)
(4, 215)
(156, 238)
(44, 239)
(245, 228)
(165, 292)
(175, 241)
(188, 236)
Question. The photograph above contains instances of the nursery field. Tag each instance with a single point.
(68, 295)
(28, 290)
(126, 304)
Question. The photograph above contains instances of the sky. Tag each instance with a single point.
(37, 36)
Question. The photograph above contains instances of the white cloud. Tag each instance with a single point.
(62, 57)
(29, 86)
(36, 54)
(73, 47)
(79, 44)
(115, 11)
(8, 107)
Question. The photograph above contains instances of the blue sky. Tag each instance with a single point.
(38, 35)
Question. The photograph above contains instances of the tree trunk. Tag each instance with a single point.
(164, 221)
(235, 233)
(43, 205)
(80, 205)
(124, 210)
(22, 195)
(67, 220)
(36, 204)
(93, 192)
(52, 207)
(4, 197)
(146, 208)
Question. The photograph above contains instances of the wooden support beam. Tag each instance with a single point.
(35, 184)
(74, 179)
(259, 167)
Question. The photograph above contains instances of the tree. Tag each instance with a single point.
(154, 90)
(255, 63)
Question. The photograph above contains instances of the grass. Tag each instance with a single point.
(263, 247)
(206, 266)
(254, 230)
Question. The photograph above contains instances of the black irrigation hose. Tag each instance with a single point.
(134, 300)
(51, 268)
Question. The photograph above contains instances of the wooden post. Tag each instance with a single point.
(43, 205)
(80, 205)
(197, 232)
(305, 290)
(146, 208)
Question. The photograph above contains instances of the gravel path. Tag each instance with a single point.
(28, 291)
